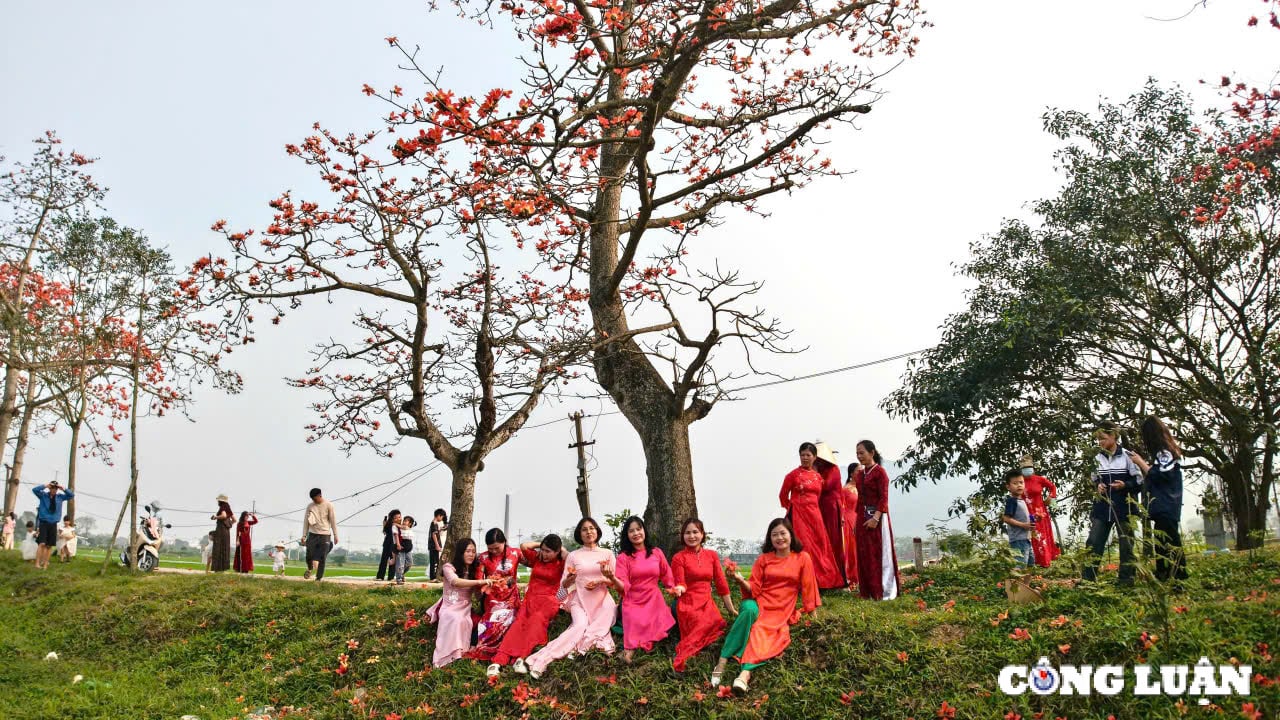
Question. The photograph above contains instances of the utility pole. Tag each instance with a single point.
(506, 517)
(584, 493)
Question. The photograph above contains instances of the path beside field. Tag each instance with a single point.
(328, 578)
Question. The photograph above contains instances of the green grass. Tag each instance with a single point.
(160, 646)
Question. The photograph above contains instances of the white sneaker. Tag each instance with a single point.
(493, 670)
(519, 666)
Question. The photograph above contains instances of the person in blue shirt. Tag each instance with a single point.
(1164, 496)
(1017, 518)
(48, 516)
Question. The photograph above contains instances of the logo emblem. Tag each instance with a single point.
(1044, 678)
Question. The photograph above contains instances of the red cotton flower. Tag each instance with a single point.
(1247, 711)
(724, 691)
(1020, 634)
(946, 712)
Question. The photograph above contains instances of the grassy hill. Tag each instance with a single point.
(221, 646)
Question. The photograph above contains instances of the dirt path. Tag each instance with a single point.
(329, 578)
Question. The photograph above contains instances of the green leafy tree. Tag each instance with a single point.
(1149, 285)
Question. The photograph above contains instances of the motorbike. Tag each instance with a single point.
(146, 548)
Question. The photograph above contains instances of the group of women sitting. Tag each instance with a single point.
(796, 560)
(511, 628)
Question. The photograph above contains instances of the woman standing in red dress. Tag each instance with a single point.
(696, 570)
(850, 510)
(540, 605)
(877, 559)
(501, 599)
(800, 492)
(1043, 543)
(243, 560)
(831, 503)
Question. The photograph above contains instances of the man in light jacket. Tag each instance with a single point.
(319, 533)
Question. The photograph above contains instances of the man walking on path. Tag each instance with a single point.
(51, 497)
(319, 533)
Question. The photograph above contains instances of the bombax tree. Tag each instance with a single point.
(459, 329)
(641, 123)
(1151, 284)
(37, 198)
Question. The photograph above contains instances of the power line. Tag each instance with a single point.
(833, 371)
(770, 383)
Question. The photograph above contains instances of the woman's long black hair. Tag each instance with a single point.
(624, 542)
(1156, 437)
(467, 572)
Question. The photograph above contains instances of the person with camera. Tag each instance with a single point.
(51, 497)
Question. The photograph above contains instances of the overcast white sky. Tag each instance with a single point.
(189, 106)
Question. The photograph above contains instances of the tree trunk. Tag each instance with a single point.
(1249, 514)
(71, 468)
(8, 409)
(20, 449)
(654, 408)
(669, 470)
(462, 507)
(133, 427)
(9, 398)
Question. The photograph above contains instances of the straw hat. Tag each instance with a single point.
(223, 498)
(825, 452)
(1026, 462)
(280, 544)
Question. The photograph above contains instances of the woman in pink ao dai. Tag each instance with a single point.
(646, 618)
(452, 612)
(588, 574)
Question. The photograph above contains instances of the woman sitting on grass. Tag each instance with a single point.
(501, 600)
(642, 572)
(697, 572)
(762, 631)
(453, 610)
(540, 605)
(588, 574)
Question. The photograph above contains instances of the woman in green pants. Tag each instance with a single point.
(782, 574)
